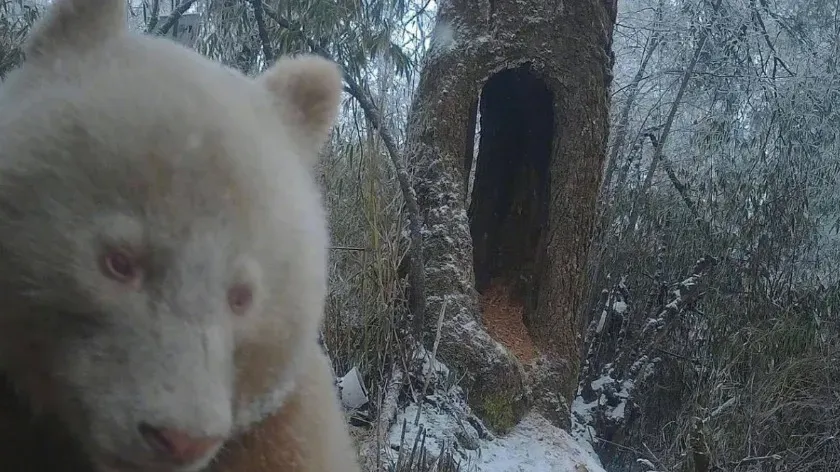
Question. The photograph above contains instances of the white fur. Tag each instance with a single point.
(264, 405)
(113, 139)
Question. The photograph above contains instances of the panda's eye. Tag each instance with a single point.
(240, 297)
(121, 266)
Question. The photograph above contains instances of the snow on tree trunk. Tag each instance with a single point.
(542, 69)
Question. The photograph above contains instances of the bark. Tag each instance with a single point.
(544, 69)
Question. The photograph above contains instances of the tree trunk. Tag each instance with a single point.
(542, 69)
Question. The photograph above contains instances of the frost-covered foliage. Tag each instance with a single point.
(16, 17)
(686, 366)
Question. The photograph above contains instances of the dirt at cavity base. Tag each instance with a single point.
(503, 318)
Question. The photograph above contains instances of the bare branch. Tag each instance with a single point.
(153, 21)
(371, 448)
(263, 31)
(174, 16)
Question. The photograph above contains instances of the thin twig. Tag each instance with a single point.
(348, 248)
(431, 361)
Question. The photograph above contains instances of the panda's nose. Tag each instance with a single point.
(178, 446)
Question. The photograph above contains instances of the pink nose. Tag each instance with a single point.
(176, 445)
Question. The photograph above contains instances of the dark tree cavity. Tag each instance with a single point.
(510, 194)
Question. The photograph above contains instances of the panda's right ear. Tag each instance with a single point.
(75, 26)
(306, 91)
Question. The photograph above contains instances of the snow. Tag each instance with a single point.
(534, 445)
(443, 37)
(599, 383)
(606, 387)
(601, 322)
(617, 413)
(582, 420)
(429, 364)
(618, 307)
(537, 445)
(446, 423)
(646, 463)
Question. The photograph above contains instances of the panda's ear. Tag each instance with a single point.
(75, 26)
(307, 92)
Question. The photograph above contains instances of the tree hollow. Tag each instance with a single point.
(509, 201)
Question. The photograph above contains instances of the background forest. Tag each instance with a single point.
(712, 282)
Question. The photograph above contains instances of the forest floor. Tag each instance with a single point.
(503, 318)
(534, 445)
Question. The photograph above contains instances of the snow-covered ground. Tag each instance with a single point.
(534, 445)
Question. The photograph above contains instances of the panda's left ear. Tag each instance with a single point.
(307, 92)
(75, 26)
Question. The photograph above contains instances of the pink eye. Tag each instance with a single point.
(121, 267)
(240, 297)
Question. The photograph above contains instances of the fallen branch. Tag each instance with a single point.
(371, 448)
(431, 362)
